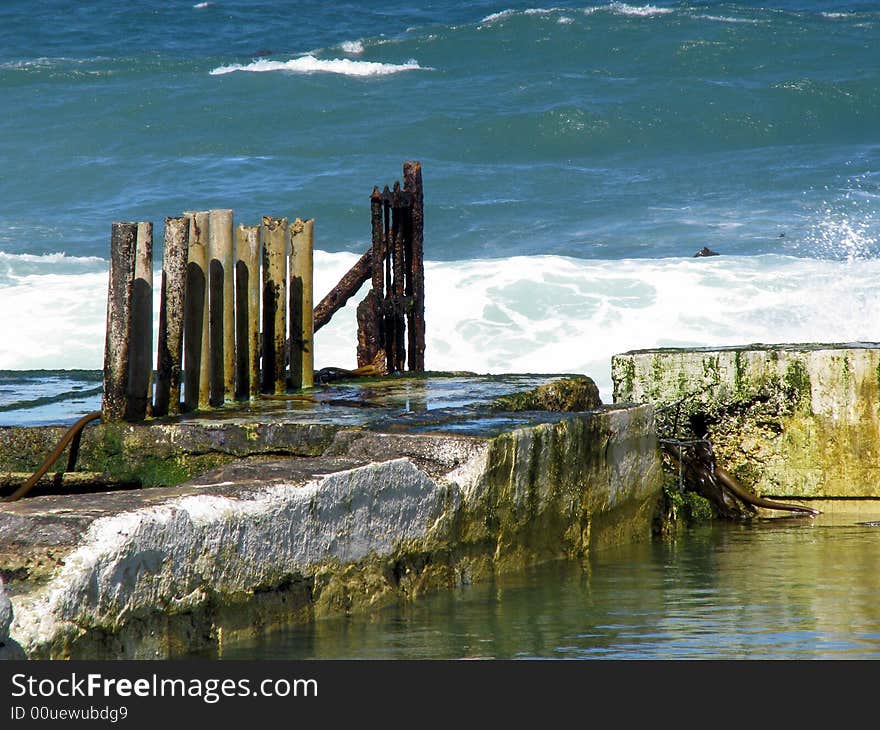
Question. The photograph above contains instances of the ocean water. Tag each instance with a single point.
(781, 588)
(574, 157)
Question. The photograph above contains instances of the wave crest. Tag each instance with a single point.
(311, 64)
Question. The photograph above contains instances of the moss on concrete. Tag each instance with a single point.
(161, 453)
(214, 562)
(786, 421)
(566, 394)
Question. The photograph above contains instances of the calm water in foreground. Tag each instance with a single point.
(774, 589)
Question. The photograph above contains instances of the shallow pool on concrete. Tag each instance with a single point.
(791, 588)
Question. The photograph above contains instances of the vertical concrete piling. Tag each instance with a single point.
(301, 298)
(140, 363)
(274, 235)
(221, 323)
(196, 371)
(123, 237)
(169, 356)
(247, 312)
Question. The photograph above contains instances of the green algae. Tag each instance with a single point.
(567, 395)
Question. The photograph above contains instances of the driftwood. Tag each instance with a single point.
(695, 462)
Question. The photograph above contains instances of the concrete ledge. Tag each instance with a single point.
(793, 421)
(380, 516)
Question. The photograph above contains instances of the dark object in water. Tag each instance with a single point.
(695, 461)
(705, 251)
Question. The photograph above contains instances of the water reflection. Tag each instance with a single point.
(789, 588)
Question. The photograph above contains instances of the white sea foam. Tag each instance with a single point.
(730, 19)
(619, 8)
(199, 6)
(311, 64)
(616, 8)
(353, 47)
(49, 62)
(521, 314)
(502, 14)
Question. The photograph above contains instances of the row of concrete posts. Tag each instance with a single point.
(219, 283)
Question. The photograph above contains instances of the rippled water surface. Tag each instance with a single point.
(774, 589)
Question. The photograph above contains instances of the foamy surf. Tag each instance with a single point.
(638, 11)
(536, 314)
(614, 8)
(311, 64)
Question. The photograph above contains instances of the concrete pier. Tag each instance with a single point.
(342, 499)
(789, 420)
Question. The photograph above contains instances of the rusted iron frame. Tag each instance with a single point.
(397, 286)
(370, 336)
(348, 286)
(412, 178)
(388, 339)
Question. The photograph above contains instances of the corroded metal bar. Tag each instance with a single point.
(302, 234)
(116, 344)
(140, 360)
(396, 286)
(386, 241)
(412, 181)
(376, 221)
(220, 306)
(169, 355)
(369, 321)
(348, 286)
(369, 318)
(383, 299)
(274, 235)
(196, 359)
(247, 312)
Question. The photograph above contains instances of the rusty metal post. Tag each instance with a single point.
(412, 181)
(247, 312)
(369, 319)
(396, 286)
(117, 341)
(140, 362)
(196, 365)
(169, 355)
(301, 298)
(274, 234)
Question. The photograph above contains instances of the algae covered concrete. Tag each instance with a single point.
(427, 489)
(792, 420)
(162, 452)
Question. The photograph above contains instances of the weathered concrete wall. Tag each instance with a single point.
(159, 453)
(380, 517)
(786, 420)
(9, 649)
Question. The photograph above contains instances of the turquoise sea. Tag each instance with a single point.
(575, 157)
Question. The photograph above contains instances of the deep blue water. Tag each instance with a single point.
(574, 159)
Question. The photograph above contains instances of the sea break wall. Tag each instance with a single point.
(378, 517)
(798, 420)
